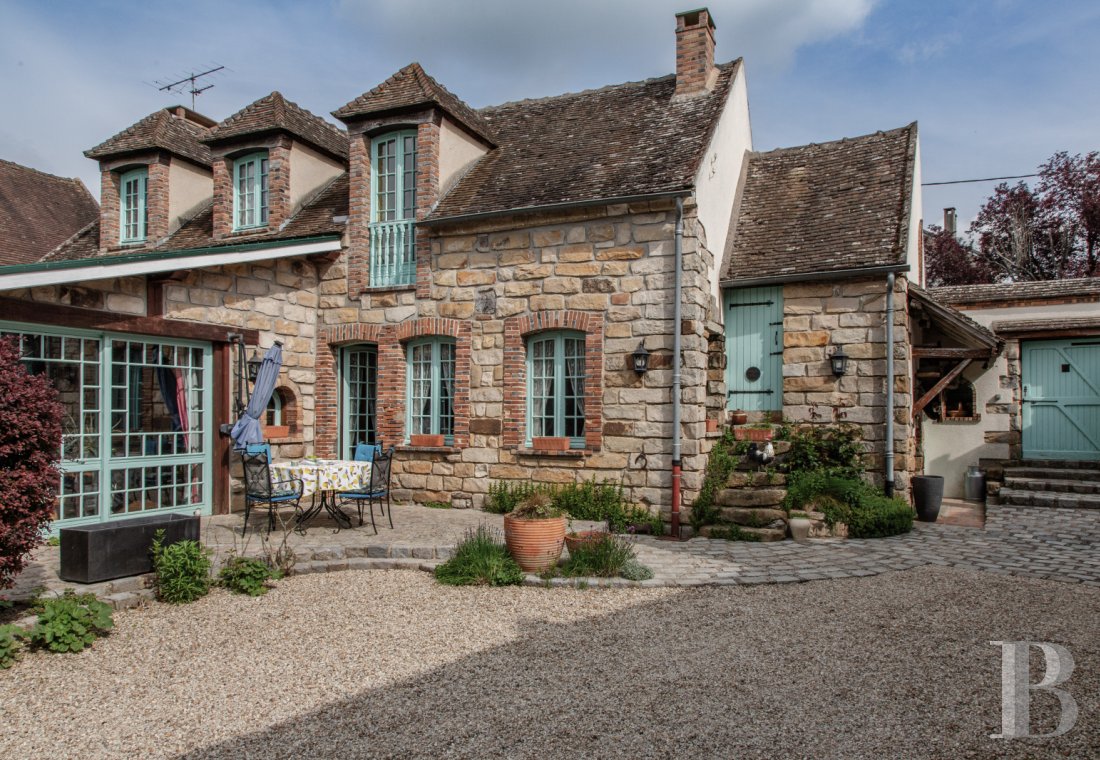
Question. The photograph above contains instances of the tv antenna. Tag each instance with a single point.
(189, 83)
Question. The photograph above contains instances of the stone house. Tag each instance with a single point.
(472, 286)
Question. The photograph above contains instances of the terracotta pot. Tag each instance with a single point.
(535, 544)
(425, 440)
(712, 426)
(753, 434)
(550, 444)
(276, 431)
(739, 418)
(582, 538)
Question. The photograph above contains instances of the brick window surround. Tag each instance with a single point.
(516, 332)
(391, 389)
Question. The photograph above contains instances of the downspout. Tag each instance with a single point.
(889, 480)
(676, 471)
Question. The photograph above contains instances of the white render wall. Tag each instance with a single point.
(458, 150)
(309, 172)
(189, 187)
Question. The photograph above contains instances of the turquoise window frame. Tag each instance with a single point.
(252, 198)
(364, 357)
(273, 414)
(133, 219)
(428, 409)
(393, 209)
(100, 373)
(554, 367)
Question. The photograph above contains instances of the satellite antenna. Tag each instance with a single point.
(189, 83)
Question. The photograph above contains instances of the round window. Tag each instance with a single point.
(752, 374)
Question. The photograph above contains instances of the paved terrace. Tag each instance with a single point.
(1056, 544)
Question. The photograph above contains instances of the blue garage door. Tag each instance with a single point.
(1061, 410)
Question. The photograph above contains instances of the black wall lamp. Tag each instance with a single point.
(641, 359)
(254, 365)
(839, 360)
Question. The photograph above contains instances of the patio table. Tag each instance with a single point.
(325, 478)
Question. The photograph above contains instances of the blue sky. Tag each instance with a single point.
(997, 85)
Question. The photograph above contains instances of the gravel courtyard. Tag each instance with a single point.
(387, 664)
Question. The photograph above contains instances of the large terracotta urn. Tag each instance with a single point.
(535, 544)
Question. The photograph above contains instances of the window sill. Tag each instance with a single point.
(389, 288)
(566, 454)
(959, 420)
(403, 449)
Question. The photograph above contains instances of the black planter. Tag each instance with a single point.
(100, 552)
(927, 496)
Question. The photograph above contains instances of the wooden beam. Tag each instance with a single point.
(92, 319)
(934, 352)
(939, 386)
(222, 413)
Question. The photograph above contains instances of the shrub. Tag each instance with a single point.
(603, 557)
(246, 575)
(721, 462)
(437, 505)
(852, 501)
(181, 570)
(830, 448)
(633, 570)
(480, 559)
(537, 506)
(879, 516)
(11, 641)
(70, 622)
(30, 436)
(505, 495)
(589, 500)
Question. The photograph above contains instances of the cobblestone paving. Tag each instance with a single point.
(1056, 544)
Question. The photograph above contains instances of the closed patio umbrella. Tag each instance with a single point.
(247, 430)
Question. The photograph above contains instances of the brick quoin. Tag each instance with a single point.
(516, 331)
(278, 184)
(156, 208)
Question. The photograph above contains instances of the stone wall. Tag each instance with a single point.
(817, 318)
(605, 272)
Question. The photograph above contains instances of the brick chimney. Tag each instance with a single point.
(950, 220)
(695, 71)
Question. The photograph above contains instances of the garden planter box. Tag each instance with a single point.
(550, 444)
(425, 440)
(276, 431)
(753, 434)
(100, 552)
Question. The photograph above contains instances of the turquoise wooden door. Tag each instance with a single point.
(1061, 409)
(754, 348)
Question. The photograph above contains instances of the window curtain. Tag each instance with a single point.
(574, 379)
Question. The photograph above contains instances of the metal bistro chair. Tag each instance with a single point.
(260, 490)
(378, 490)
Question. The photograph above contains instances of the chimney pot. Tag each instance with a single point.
(695, 70)
(950, 221)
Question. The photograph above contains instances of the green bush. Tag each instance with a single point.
(633, 570)
(181, 570)
(246, 575)
(505, 495)
(834, 449)
(603, 557)
(11, 641)
(852, 501)
(879, 516)
(587, 500)
(437, 505)
(70, 622)
(480, 559)
(721, 462)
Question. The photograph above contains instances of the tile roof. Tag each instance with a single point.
(953, 322)
(39, 211)
(824, 207)
(411, 87)
(620, 141)
(276, 113)
(164, 130)
(314, 218)
(1048, 324)
(1010, 291)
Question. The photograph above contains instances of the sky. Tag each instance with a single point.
(997, 86)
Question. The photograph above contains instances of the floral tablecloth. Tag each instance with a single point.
(318, 475)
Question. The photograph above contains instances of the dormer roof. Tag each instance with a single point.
(174, 129)
(274, 113)
(410, 88)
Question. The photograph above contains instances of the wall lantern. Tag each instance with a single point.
(254, 365)
(839, 360)
(641, 359)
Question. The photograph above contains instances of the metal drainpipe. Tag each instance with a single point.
(889, 444)
(675, 517)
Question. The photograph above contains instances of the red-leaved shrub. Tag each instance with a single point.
(30, 442)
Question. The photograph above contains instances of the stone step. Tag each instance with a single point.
(1062, 485)
(756, 479)
(1060, 464)
(762, 534)
(1058, 499)
(1056, 473)
(751, 497)
(753, 518)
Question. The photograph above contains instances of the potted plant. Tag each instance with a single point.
(738, 417)
(418, 439)
(578, 538)
(535, 533)
(550, 444)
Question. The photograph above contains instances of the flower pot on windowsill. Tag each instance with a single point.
(753, 434)
(425, 440)
(550, 444)
(276, 431)
(712, 426)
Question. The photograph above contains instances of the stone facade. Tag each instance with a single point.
(821, 316)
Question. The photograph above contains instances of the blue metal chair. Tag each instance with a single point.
(378, 490)
(366, 452)
(258, 448)
(260, 490)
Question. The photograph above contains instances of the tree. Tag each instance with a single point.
(30, 438)
(1070, 190)
(949, 261)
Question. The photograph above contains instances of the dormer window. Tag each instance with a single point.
(250, 191)
(393, 196)
(133, 198)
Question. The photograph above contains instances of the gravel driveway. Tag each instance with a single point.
(384, 664)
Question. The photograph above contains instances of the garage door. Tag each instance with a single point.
(1061, 410)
